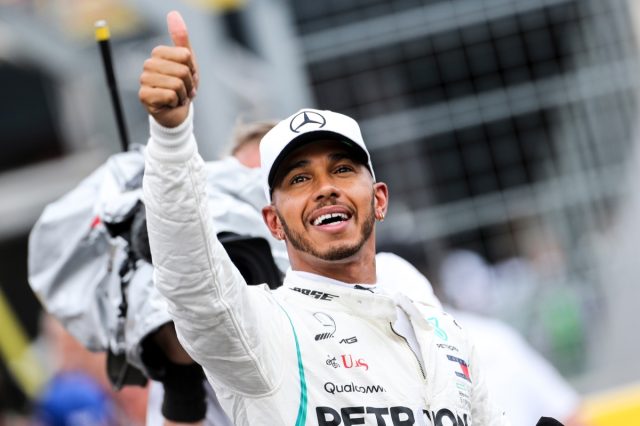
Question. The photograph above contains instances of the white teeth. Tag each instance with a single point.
(319, 220)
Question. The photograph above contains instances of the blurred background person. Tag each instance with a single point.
(523, 382)
(78, 391)
(521, 379)
(490, 120)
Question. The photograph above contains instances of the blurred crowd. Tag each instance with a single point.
(77, 391)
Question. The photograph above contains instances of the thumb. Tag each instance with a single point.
(178, 30)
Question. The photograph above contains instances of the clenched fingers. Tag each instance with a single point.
(164, 81)
(158, 99)
(177, 54)
(164, 67)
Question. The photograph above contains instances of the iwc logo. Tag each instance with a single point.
(328, 326)
(307, 120)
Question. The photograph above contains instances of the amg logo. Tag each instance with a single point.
(314, 293)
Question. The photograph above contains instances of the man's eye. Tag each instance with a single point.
(344, 169)
(297, 179)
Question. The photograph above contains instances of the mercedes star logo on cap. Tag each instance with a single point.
(307, 118)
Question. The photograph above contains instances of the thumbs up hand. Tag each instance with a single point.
(169, 80)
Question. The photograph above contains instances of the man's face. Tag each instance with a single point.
(325, 203)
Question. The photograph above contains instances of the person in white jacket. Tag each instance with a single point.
(329, 347)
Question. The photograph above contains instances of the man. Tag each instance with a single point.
(67, 228)
(328, 347)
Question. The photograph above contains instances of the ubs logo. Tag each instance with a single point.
(332, 362)
(307, 118)
(349, 362)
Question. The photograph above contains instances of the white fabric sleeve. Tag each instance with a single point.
(217, 317)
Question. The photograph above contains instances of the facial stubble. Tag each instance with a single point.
(302, 243)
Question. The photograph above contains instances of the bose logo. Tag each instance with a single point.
(315, 294)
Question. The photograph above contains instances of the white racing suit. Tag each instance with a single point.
(309, 352)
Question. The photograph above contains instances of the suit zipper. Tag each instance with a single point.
(411, 349)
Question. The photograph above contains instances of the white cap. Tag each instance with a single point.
(305, 126)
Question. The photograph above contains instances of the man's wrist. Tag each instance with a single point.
(172, 143)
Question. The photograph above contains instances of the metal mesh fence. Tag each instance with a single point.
(502, 128)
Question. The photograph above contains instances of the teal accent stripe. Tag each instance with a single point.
(301, 420)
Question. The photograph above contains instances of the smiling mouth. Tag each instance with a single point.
(329, 218)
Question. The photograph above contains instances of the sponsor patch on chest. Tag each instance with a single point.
(389, 416)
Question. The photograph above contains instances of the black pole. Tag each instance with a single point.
(102, 37)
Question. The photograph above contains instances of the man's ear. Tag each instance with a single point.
(272, 221)
(381, 198)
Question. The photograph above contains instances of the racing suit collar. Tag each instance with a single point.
(309, 276)
(310, 289)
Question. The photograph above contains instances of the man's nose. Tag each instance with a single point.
(325, 188)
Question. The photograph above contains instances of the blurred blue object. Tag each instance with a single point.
(74, 399)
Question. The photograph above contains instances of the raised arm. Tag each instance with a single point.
(219, 321)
